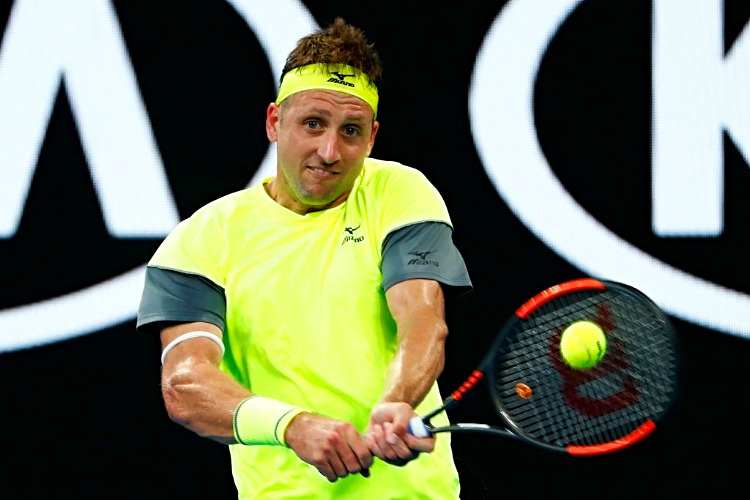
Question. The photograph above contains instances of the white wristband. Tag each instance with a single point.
(188, 336)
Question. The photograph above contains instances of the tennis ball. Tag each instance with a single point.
(583, 344)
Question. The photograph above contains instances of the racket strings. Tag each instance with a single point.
(565, 407)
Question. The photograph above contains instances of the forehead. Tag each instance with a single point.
(330, 102)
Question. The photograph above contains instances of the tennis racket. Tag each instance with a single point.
(543, 401)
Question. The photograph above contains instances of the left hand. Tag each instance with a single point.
(388, 434)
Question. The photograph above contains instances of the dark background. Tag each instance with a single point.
(83, 418)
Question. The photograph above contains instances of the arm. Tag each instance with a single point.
(203, 399)
(198, 395)
(418, 307)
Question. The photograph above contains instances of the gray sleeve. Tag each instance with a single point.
(425, 250)
(175, 297)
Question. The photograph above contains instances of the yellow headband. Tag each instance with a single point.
(337, 77)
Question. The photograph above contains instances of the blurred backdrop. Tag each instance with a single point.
(569, 138)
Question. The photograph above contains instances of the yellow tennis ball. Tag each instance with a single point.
(583, 344)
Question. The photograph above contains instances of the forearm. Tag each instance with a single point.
(196, 393)
(418, 308)
(418, 362)
(202, 399)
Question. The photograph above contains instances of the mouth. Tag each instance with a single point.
(321, 172)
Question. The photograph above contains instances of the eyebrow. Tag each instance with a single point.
(356, 117)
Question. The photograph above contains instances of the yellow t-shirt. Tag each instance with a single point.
(308, 323)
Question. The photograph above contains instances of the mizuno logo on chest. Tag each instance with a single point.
(350, 236)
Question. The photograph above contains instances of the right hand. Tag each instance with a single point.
(334, 447)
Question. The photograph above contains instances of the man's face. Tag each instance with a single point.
(322, 140)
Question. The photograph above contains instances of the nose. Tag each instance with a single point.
(328, 150)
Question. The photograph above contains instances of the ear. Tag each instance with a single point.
(375, 128)
(272, 122)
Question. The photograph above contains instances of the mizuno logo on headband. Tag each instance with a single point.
(340, 82)
(340, 76)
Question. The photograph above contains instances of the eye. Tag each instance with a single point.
(313, 124)
(351, 131)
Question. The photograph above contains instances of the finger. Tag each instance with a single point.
(374, 437)
(327, 472)
(397, 445)
(426, 444)
(386, 450)
(354, 452)
(360, 449)
(339, 466)
(364, 455)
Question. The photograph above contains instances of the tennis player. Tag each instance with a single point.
(302, 319)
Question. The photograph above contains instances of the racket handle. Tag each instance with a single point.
(418, 428)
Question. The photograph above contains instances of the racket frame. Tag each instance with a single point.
(420, 425)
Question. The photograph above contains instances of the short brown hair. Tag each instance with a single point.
(339, 43)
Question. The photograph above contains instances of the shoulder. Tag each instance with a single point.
(380, 168)
(399, 194)
(227, 205)
(216, 217)
(199, 242)
(381, 173)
